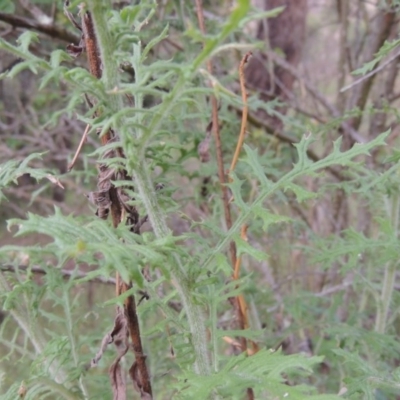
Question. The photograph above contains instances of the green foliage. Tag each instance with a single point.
(383, 52)
(11, 170)
(54, 318)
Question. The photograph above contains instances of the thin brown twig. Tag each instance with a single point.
(78, 150)
(245, 111)
(53, 31)
(381, 30)
(240, 300)
(218, 145)
(355, 135)
(222, 179)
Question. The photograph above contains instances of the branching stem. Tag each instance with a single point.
(146, 189)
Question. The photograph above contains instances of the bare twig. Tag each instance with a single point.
(36, 12)
(240, 300)
(241, 306)
(381, 30)
(373, 72)
(217, 138)
(53, 31)
(318, 96)
(78, 150)
(244, 112)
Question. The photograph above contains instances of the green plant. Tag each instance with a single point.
(191, 341)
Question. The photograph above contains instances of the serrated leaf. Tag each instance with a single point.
(262, 15)
(68, 234)
(13, 169)
(58, 56)
(302, 147)
(21, 66)
(245, 248)
(300, 193)
(253, 160)
(264, 369)
(237, 14)
(303, 168)
(386, 48)
(267, 217)
(55, 74)
(223, 264)
(25, 40)
(236, 187)
(153, 42)
(129, 14)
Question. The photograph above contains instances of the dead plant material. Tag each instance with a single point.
(52, 30)
(118, 336)
(113, 200)
(74, 50)
(244, 112)
(55, 180)
(240, 304)
(138, 371)
(78, 150)
(125, 324)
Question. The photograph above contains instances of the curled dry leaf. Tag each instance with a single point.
(102, 200)
(118, 336)
(107, 339)
(117, 379)
(134, 373)
(74, 50)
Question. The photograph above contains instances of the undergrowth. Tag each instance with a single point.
(174, 262)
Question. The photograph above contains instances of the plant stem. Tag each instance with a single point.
(390, 272)
(23, 318)
(193, 311)
(70, 333)
(146, 190)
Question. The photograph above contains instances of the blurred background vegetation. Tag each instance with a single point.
(322, 287)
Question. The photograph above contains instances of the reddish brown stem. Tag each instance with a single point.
(92, 50)
(244, 112)
(138, 371)
(241, 309)
(218, 145)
